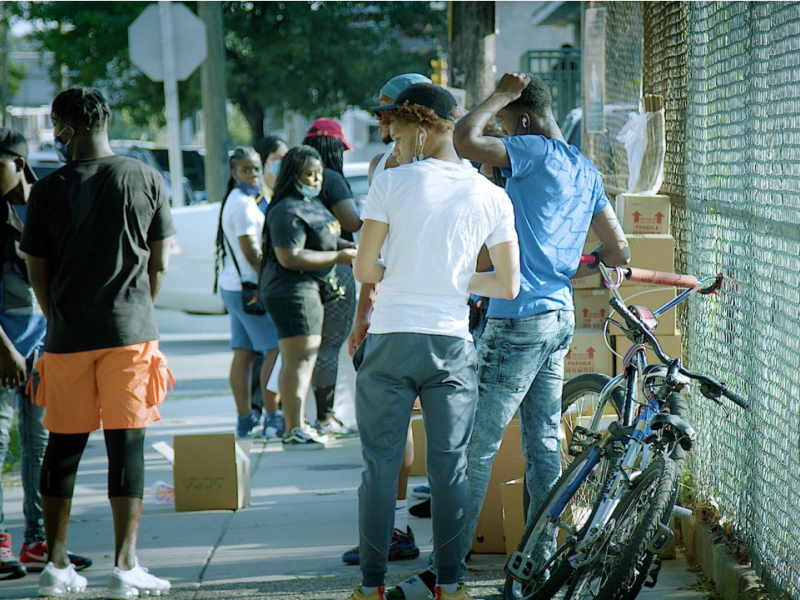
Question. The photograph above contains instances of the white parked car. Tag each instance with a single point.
(190, 279)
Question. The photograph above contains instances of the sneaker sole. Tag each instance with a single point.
(403, 553)
(306, 447)
(39, 567)
(60, 591)
(16, 573)
(135, 593)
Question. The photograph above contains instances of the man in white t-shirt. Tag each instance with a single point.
(434, 215)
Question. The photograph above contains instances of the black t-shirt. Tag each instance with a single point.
(94, 219)
(296, 222)
(334, 190)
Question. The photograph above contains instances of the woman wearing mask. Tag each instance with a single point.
(239, 252)
(327, 138)
(272, 150)
(302, 244)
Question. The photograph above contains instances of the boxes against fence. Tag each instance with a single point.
(644, 214)
(591, 308)
(513, 513)
(653, 297)
(420, 464)
(211, 472)
(508, 465)
(654, 252)
(670, 344)
(588, 353)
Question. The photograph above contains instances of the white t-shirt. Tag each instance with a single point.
(440, 214)
(240, 216)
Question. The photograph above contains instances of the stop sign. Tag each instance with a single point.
(188, 41)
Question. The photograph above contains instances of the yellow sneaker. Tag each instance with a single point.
(461, 594)
(376, 595)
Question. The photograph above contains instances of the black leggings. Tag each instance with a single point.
(125, 450)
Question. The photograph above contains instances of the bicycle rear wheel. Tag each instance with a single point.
(635, 523)
(539, 567)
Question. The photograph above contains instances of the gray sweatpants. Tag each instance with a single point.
(397, 368)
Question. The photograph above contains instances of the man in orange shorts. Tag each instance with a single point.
(96, 241)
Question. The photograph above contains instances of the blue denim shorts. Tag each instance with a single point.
(249, 332)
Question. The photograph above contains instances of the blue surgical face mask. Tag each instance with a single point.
(309, 191)
(62, 148)
(275, 167)
(250, 190)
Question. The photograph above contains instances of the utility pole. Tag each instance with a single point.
(472, 49)
(4, 68)
(214, 93)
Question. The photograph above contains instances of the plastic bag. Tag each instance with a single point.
(163, 493)
(643, 137)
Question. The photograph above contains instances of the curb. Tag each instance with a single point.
(731, 580)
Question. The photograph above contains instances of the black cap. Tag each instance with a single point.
(429, 95)
(13, 142)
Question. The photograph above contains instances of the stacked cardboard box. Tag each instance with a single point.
(508, 465)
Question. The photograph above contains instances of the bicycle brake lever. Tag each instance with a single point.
(718, 402)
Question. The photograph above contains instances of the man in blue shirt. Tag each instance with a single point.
(557, 195)
(22, 332)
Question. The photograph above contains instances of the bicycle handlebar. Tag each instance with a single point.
(647, 276)
(711, 388)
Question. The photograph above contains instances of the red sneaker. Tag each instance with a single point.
(10, 567)
(34, 557)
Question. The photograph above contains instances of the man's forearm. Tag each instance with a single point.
(471, 127)
(365, 301)
(156, 281)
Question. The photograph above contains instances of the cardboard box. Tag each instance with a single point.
(211, 472)
(588, 353)
(420, 464)
(644, 214)
(670, 344)
(591, 308)
(513, 513)
(508, 465)
(654, 252)
(653, 297)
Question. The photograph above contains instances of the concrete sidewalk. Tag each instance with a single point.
(286, 545)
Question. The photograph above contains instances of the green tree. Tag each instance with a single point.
(316, 58)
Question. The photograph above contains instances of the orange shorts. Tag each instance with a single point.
(118, 387)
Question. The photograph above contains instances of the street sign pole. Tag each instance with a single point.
(171, 99)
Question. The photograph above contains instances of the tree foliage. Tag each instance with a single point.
(315, 58)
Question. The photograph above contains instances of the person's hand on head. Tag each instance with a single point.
(512, 85)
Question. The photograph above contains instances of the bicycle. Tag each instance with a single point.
(604, 520)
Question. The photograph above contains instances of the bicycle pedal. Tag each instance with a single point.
(582, 438)
(661, 539)
(519, 567)
(652, 575)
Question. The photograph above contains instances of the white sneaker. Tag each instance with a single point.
(60, 582)
(134, 583)
(298, 439)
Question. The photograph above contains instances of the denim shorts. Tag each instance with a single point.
(249, 332)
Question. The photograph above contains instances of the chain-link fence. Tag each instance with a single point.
(743, 217)
(730, 75)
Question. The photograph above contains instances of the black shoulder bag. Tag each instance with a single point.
(251, 303)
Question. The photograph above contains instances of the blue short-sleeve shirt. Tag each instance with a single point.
(555, 191)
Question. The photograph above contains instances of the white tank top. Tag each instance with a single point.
(381, 166)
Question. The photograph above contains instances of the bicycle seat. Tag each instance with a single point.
(646, 316)
(687, 432)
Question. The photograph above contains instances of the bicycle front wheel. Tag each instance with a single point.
(539, 567)
(580, 400)
(633, 525)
